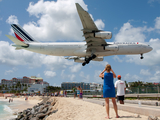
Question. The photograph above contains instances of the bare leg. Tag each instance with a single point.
(107, 107)
(115, 107)
(121, 102)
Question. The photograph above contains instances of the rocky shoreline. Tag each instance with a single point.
(38, 112)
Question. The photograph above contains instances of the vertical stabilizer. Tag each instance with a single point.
(21, 34)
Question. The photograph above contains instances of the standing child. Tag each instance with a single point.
(81, 93)
(78, 91)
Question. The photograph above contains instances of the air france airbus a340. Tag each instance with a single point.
(94, 48)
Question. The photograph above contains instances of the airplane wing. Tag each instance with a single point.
(89, 28)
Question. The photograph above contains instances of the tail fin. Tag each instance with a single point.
(21, 34)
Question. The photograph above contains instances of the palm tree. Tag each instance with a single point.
(0, 88)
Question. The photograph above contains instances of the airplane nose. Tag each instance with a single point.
(150, 48)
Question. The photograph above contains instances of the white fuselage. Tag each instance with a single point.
(79, 49)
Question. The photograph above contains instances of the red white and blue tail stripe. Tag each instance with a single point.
(21, 34)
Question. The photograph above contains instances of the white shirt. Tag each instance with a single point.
(120, 85)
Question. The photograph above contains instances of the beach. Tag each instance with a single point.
(75, 109)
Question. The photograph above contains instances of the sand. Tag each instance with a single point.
(76, 109)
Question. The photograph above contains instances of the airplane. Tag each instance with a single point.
(93, 48)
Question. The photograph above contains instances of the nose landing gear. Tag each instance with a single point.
(141, 56)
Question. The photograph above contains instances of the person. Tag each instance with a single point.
(108, 88)
(78, 91)
(81, 93)
(121, 88)
(74, 91)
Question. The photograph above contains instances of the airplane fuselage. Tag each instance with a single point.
(79, 49)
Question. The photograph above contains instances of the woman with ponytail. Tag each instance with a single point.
(108, 88)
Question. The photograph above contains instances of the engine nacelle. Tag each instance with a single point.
(103, 34)
(98, 59)
(111, 47)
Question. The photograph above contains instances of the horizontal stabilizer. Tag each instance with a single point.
(18, 48)
(16, 41)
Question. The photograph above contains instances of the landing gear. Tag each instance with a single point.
(87, 60)
(141, 56)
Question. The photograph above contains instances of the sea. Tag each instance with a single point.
(6, 113)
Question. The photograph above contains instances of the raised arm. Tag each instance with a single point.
(102, 74)
(114, 75)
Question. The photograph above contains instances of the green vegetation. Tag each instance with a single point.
(17, 88)
(53, 89)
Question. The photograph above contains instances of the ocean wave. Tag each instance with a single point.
(8, 109)
(4, 99)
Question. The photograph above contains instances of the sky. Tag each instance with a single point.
(58, 21)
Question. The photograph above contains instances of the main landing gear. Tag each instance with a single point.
(87, 60)
(141, 56)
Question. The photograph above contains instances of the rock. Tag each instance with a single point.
(48, 103)
(40, 115)
(38, 112)
(34, 118)
(136, 115)
(44, 110)
(33, 111)
(20, 116)
(53, 103)
(45, 117)
(15, 113)
(152, 118)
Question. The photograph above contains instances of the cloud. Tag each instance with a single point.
(145, 72)
(8, 72)
(157, 23)
(84, 78)
(56, 20)
(98, 63)
(66, 76)
(132, 78)
(72, 77)
(75, 68)
(12, 20)
(130, 34)
(151, 1)
(100, 25)
(155, 77)
(97, 79)
(49, 74)
(116, 58)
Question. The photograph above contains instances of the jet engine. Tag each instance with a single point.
(103, 34)
(111, 47)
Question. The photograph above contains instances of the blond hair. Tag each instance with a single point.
(108, 67)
